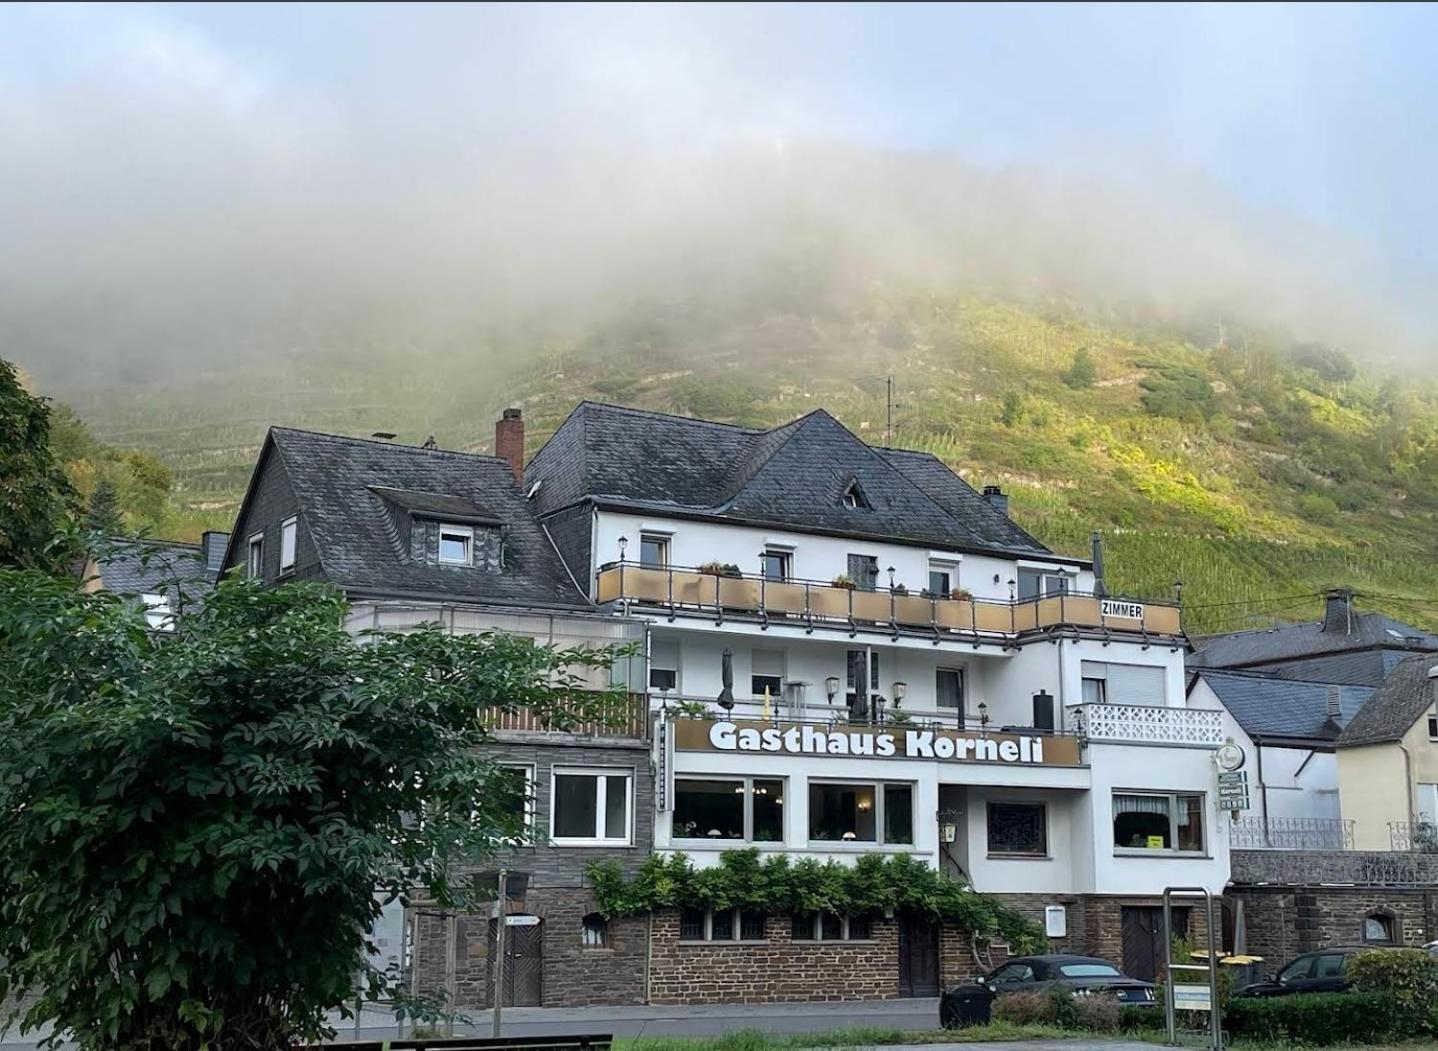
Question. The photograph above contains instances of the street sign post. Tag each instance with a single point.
(1190, 986)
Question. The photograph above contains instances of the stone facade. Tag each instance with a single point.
(775, 970)
(1284, 921)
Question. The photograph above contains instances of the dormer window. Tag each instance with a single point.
(456, 545)
(854, 498)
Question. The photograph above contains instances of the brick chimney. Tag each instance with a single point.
(995, 496)
(1338, 611)
(509, 442)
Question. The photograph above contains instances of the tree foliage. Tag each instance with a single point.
(743, 879)
(36, 501)
(198, 827)
(1082, 373)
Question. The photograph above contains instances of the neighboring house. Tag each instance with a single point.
(1347, 646)
(165, 575)
(1388, 761)
(423, 535)
(852, 650)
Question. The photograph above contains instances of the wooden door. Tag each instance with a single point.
(523, 984)
(918, 955)
(1143, 948)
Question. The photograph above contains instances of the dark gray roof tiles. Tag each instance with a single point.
(794, 475)
(344, 485)
(154, 567)
(1296, 641)
(1266, 706)
(1395, 706)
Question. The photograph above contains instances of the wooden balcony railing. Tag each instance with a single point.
(626, 717)
(813, 604)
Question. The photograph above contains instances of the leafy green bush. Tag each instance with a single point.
(1082, 373)
(1026, 1008)
(1409, 974)
(1097, 1014)
(1139, 1019)
(1323, 1019)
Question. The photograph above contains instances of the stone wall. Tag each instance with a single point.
(774, 970)
(1284, 921)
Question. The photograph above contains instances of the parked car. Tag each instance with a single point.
(1432, 948)
(970, 1004)
(1324, 971)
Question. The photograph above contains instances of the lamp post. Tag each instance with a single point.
(832, 685)
(623, 543)
(891, 578)
(984, 716)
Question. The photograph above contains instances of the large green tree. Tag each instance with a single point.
(194, 824)
(36, 501)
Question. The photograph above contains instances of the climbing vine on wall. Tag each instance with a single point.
(743, 879)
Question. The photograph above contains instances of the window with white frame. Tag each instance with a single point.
(767, 673)
(289, 534)
(1427, 802)
(943, 579)
(778, 563)
(721, 925)
(158, 613)
(1433, 724)
(591, 806)
(829, 927)
(664, 666)
(1038, 583)
(1152, 822)
(456, 545)
(255, 556)
(741, 809)
(654, 550)
(1136, 684)
(861, 813)
(515, 792)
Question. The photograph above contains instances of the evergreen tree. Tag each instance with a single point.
(1082, 373)
(103, 513)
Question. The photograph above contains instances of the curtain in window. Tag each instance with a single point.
(1140, 805)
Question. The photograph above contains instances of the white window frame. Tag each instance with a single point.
(951, 569)
(531, 792)
(880, 801)
(255, 555)
(289, 539)
(736, 926)
(601, 794)
(677, 669)
(666, 548)
(158, 613)
(1173, 796)
(451, 529)
(817, 933)
(747, 780)
(785, 555)
(1104, 696)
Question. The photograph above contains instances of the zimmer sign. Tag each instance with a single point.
(804, 739)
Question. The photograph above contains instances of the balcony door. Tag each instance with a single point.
(949, 693)
(864, 572)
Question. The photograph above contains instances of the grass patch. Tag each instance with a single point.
(754, 1040)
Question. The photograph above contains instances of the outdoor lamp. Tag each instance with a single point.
(900, 688)
(891, 578)
(623, 543)
(1011, 589)
(983, 713)
(832, 685)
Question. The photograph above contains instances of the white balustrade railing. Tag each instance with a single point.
(1146, 724)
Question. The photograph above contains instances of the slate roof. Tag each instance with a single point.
(1266, 706)
(1308, 640)
(793, 476)
(1395, 706)
(343, 486)
(154, 567)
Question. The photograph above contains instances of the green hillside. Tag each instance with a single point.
(1256, 469)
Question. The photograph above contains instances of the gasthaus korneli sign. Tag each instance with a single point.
(806, 739)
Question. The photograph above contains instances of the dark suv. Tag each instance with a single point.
(1324, 971)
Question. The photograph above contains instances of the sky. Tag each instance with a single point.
(146, 144)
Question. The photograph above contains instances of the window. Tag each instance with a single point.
(1136, 684)
(1378, 928)
(590, 806)
(1089, 970)
(158, 614)
(1330, 965)
(1427, 802)
(949, 690)
(768, 673)
(722, 925)
(1012, 974)
(827, 927)
(941, 582)
(1036, 583)
(1297, 970)
(664, 665)
(289, 530)
(255, 562)
(745, 809)
(456, 545)
(1018, 828)
(1433, 725)
(855, 499)
(858, 813)
(777, 564)
(863, 571)
(514, 791)
(856, 661)
(594, 931)
(1153, 822)
(653, 550)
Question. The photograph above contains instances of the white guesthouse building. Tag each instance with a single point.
(852, 650)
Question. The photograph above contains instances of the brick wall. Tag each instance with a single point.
(1284, 921)
(773, 971)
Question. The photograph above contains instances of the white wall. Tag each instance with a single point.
(819, 558)
(1055, 873)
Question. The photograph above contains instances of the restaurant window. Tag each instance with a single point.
(778, 564)
(767, 667)
(828, 927)
(1135, 684)
(861, 813)
(748, 809)
(590, 806)
(1158, 822)
(1018, 828)
(289, 532)
(664, 666)
(653, 550)
(721, 925)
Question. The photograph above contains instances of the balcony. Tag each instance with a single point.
(1290, 833)
(625, 717)
(1311, 868)
(1146, 724)
(1417, 837)
(815, 604)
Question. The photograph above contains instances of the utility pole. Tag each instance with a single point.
(499, 951)
(889, 410)
(451, 975)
